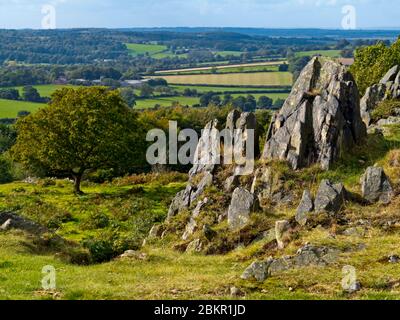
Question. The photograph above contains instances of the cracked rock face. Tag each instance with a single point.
(320, 120)
(375, 186)
(239, 211)
(388, 88)
(330, 197)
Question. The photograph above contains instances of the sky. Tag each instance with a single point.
(332, 14)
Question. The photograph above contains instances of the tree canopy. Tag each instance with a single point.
(82, 129)
(372, 63)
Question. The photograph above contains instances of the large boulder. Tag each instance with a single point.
(330, 197)
(320, 120)
(375, 186)
(241, 206)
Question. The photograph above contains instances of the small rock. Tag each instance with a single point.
(6, 225)
(257, 270)
(394, 259)
(131, 254)
(241, 206)
(354, 287)
(231, 183)
(235, 292)
(156, 231)
(194, 246)
(280, 228)
(305, 208)
(354, 232)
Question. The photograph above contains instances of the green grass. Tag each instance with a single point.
(10, 108)
(136, 49)
(326, 53)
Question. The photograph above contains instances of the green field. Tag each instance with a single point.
(46, 90)
(325, 53)
(271, 68)
(229, 53)
(10, 108)
(202, 89)
(136, 49)
(156, 51)
(234, 79)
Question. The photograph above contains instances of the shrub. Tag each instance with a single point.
(47, 215)
(108, 245)
(5, 171)
(385, 109)
(96, 220)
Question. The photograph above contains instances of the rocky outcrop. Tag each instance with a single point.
(208, 157)
(306, 256)
(185, 198)
(375, 186)
(320, 120)
(242, 204)
(387, 88)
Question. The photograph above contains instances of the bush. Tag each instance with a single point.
(96, 220)
(373, 62)
(5, 170)
(385, 109)
(108, 245)
(47, 215)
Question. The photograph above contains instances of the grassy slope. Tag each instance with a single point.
(188, 276)
(10, 108)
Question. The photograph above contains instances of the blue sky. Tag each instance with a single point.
(200, 13)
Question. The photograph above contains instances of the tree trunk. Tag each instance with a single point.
(77, 183)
